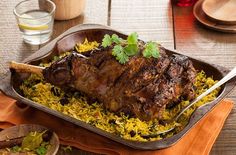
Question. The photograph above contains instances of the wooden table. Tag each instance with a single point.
(174, 27)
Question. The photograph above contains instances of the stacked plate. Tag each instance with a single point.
(217, 14)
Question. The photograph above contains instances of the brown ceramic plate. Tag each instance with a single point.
(222, 11)
(203, 18)
(11, 82)
(24, 129)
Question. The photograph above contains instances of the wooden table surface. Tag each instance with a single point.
(174, 27)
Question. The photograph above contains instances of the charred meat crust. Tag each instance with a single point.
(142, 88)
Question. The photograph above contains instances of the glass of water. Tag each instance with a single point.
(35, 19)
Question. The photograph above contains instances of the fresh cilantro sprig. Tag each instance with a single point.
(151, 50)
(108, 40)
(123, 49)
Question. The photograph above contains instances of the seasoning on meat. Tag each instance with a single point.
(142, 87)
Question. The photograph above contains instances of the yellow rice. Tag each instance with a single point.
(86, 46)
(36, 89)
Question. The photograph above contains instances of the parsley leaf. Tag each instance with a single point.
(123, 49)
(117, 50)
(122, 58)
(116, 39)
(132, 38)
(119, 53)
(151, 50)
(106, 41)
(131, 49)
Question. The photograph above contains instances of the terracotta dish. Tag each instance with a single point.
(12, 80)
(222, 11)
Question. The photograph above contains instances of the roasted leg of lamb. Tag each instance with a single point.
(143, 87)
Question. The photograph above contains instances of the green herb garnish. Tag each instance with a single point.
(151, 50)
(32, 140)
(41, 150)
(123, 49)
(108, 40)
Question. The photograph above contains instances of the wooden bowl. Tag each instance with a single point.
(68, 9)
(222, 11)
(24, 129)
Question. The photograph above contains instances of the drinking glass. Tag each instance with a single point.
(35, 19)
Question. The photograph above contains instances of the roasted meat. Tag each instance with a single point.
(143, 87)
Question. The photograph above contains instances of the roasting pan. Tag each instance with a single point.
(9, 83)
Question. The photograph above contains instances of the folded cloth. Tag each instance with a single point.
(198, 140)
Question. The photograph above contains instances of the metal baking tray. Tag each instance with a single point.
(9, 84)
